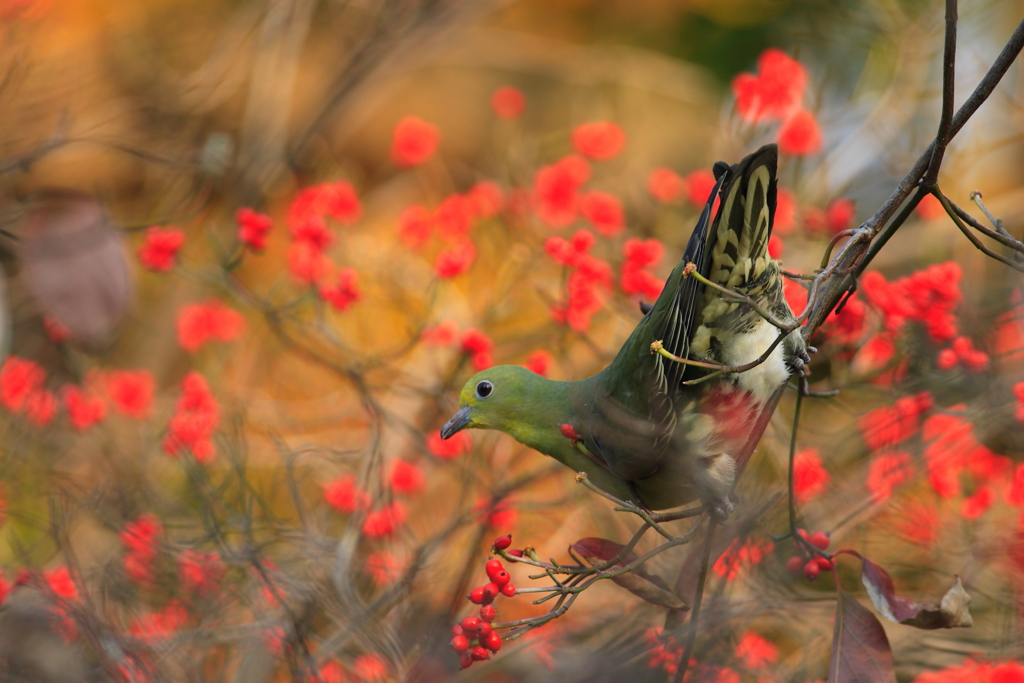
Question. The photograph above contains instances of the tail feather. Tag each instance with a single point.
(743, 225)
(737, 256)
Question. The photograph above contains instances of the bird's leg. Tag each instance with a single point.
(714, 478)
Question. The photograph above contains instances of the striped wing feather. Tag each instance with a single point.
(629, 417)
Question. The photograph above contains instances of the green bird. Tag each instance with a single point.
(641, 429)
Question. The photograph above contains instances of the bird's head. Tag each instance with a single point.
(492, 399)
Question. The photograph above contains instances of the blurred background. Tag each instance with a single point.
(284, 514)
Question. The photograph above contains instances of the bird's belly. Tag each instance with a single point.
(743, 347)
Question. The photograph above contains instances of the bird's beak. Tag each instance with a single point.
(458, 422)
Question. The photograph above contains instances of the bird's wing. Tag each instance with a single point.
(628, 412)
(636, 377)
(674, 324)
(631, 408)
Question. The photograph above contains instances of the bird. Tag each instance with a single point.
(647, 428)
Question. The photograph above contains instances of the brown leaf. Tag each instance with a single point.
(951, 612)
(860, 648)
(639, 581)
(76, 265)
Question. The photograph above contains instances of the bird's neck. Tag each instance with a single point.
(549, 405)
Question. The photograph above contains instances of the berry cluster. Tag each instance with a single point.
(665, 651)
(806, 563)
(473, 638)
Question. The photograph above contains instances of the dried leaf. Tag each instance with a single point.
(76, 266)
(860, 648)
(639, 581)
(951, 612)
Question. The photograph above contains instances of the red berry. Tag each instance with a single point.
(811, 570)
(466, 660)
(492, 641)
(493, 567)
(460, 644)
(824, 565)
(469, 624)
(508, 590)
(488, 612)
(480, 654)
(483, 628)
(502, 542)
(457, 630)
(491, 591)
(476, 596)
(501, 578)
(802, 533)
(820, 540)
(795, 564)
(515, 552)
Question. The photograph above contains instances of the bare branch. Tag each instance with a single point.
(1001, 237)
(997, 222)
(946, 118)
(856, 254)
(971, 236)
(691, 636)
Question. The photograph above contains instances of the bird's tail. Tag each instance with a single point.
(738, 237)
(735, 253)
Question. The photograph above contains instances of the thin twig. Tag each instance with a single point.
(997, 222)
(738, 297)
(621, 505)
(691, 635)
(597, 575)
(792, 458)
(796, 276)
(946, 118)
(1019, 267)
(831, 245)
(725, 370)
(678, 514)
(659, 348)
(998, 235)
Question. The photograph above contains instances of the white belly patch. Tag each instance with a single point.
(764, 379)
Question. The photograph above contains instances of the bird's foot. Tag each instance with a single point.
(798, 364)
(720, 509)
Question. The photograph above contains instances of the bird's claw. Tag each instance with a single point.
(721, 509)
(799, 362)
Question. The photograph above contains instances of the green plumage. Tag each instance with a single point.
(636, 429)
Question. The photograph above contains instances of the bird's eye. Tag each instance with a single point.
(484, 389)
